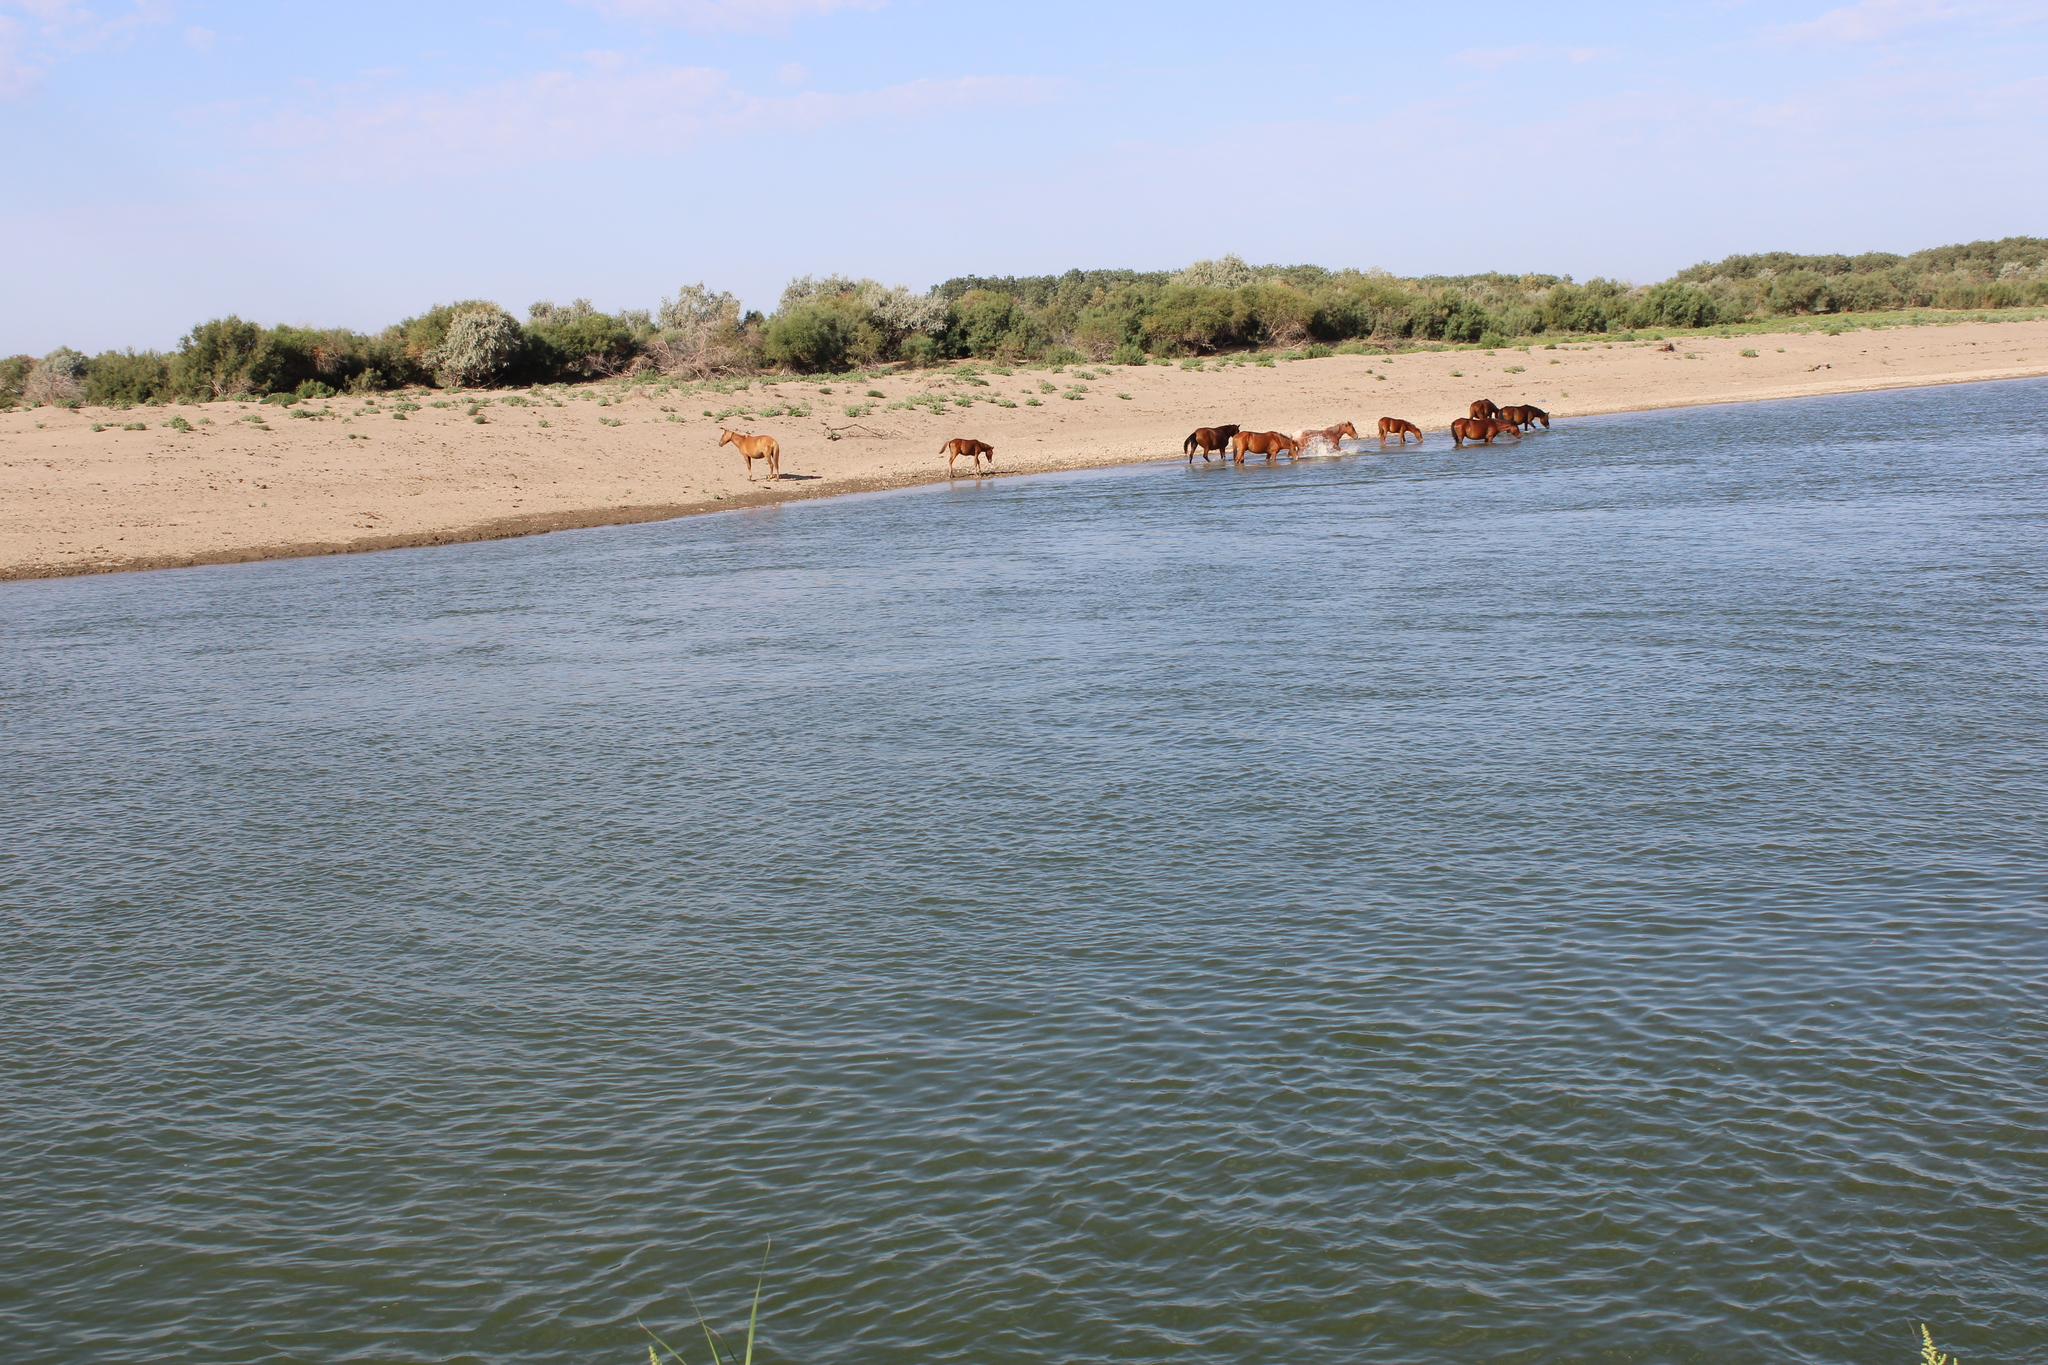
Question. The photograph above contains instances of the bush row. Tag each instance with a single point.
(1104, 315)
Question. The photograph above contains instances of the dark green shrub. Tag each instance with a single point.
(1675, 304)
(1063, 355)
(1801, 291)
(809, 337)
(115, 378)
(313, 388)
(989, 324)
(583, 343)
(1128, 354)
(13, 374)
(221, 357)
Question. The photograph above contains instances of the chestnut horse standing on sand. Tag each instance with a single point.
(1394, 426)
(1525, 417)
(1206, 439)
(755, 448)
(1266, 443)
(1330, 434)
(1481, 429)
(973, 450)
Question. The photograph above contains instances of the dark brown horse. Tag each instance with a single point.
(1394, 426)
(1331, 434)
(1266, 443)
(755, 448)
(973, 450)
(1483, 407)
(1481, 429)
(1207, 439)
(1526, 417)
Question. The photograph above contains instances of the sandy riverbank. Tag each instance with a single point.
(74, 500)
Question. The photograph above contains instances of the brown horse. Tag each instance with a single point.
(1481, 429)
(973, 450)
(1206, 439)
(1330, 434)
(1525, 417)
(1483, 407)
(1266, 443)
(1394, 426)
(755, 448)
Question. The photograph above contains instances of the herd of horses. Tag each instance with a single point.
(1486, 423)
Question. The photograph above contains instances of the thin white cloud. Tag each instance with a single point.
(609, 110)
(1880, 21)
(722, 16)
(1494, 58)
(36, 34)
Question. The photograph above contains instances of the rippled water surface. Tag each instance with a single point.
(1572, 902)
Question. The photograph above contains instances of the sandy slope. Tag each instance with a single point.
(77, 501)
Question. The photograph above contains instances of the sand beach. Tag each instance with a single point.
(172, 486)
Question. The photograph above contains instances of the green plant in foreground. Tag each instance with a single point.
(1928, 1355)
(711, 1338)
(1750, 351)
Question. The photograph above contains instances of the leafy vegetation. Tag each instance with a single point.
(1199, 315)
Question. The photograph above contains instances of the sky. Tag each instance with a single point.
(169, 161)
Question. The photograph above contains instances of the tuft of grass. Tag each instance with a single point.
(137, 426)
(1513, 369)
(1123, 395)
(716, 1343)
(876, 393)
(1029, 403)
(179, 424)
(1457, 374)
(602, 421)
(1749, 351)
(1928, 1355)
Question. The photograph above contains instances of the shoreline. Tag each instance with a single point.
(1614, 378)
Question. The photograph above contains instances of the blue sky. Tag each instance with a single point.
(173, 160)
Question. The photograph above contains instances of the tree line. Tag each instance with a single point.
(823, 324)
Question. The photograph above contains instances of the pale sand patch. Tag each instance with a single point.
(77, 501)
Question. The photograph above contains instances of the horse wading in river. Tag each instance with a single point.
(1207, 439)
(1331, 434)
(1525, 417)
(1481, 429)
(1266, 443)
(755, 448)
(1395, 426)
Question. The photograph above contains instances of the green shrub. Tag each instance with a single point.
(1750, 352)
(121, 377)
(13, 374)
(221, 357)
(576, 340)
(809, 338)
(1317, 351)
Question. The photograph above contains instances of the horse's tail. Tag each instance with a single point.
(1188, 446)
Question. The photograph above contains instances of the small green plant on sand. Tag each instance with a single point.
(1457, 374)
(1749, 351)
